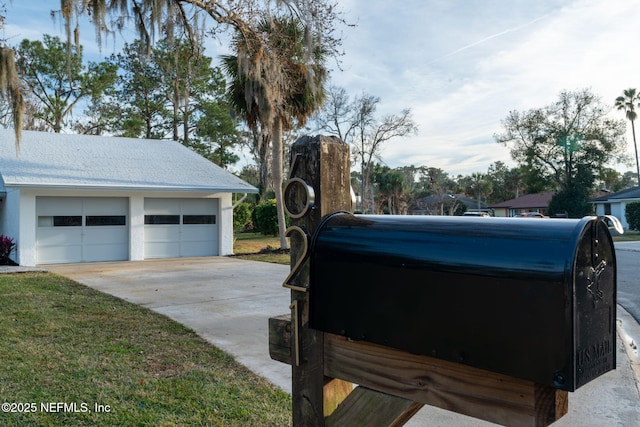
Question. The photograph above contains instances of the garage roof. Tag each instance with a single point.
(53, 160)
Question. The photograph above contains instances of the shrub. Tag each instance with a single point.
(7, 247)
(574, 202)
(632, 214)
(242, 217)
(265, 217)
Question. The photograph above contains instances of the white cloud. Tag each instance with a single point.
(461, 66)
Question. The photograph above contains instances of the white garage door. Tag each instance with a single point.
(175, 228)
(75, 229)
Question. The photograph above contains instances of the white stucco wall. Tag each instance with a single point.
(10, 219)
(617, 210)
(18, 221)
(136, 228)
(225, 230)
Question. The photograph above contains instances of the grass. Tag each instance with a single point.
(628, 236)
(63, 342)
(258, 247)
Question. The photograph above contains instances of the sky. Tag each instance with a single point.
(459, 65)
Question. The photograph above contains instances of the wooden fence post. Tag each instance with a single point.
(319, 184)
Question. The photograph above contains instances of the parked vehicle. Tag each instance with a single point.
(473, 213)
(530, 215)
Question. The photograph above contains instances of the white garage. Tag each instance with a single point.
(80, 198)
(176, 228)
(75, 229)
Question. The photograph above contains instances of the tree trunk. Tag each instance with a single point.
(635, 145)
(277, 171)
(176, 97)
(262, 145)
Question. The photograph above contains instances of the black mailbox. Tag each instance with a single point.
(526, 297)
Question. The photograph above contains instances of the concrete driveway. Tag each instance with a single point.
(228, 302)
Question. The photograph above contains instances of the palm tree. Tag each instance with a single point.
(261, 138)
(628, 102)
(276, 82)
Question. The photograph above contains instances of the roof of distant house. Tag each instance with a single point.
(626, 194)
(53, 160)
(528, 201)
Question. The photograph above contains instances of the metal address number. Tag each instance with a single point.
(288, 282)
(299, 200)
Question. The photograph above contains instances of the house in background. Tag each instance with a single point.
(616, 203)
(78, 198)
(445, 204)
(527, 203)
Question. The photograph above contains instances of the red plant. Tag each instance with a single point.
(7, 246)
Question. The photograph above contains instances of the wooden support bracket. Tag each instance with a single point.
(407, 381)
(366, 407)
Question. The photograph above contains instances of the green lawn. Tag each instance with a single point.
(66, 348)
(628, 236)
(258, 247)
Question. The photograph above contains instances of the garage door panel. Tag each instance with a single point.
(104, 252)
(161, 207)
(194, 249)
(58, 205)
(199, 206)
(106, 206)
(105, 235)
(192, 230)
(162, 241)
(75, 229)
(53, 236)
(162, 249)
(162, 233)
(197, 233)
(59, 254)
(199, 240)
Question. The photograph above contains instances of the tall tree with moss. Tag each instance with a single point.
(150, 18)
(628, 103)
(57, 82)
(286, 90)
(10, 89)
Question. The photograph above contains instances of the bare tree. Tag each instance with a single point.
(337, 116)
(355, 122)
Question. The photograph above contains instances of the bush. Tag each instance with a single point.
(632, 214)
(7, 247)
(242, 217)
(265, 218)
(574, 202)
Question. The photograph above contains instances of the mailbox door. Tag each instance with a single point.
(595, 305)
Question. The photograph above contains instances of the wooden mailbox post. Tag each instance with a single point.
(392, 385)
